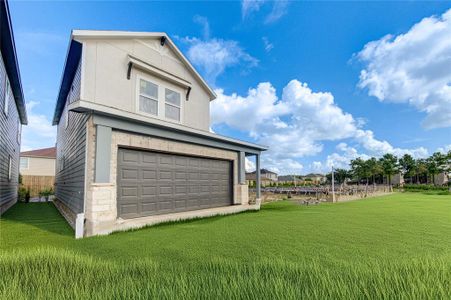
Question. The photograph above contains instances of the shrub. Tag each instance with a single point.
(424, 187)
(23, 194)
(47, 192)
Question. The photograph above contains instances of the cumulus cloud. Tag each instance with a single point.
(39, 133)
(445, 149)
(296, 125)
(413, 68)
(213, 56)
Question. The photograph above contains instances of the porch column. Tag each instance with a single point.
(258, 175)
(241, 168)
(103, 154)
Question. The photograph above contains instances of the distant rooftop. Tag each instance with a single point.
(45, 152)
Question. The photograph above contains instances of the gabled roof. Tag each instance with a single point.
(45, 152)
(8, 49)
(74, 55)
(263, 171)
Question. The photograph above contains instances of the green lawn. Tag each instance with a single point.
(397, 246)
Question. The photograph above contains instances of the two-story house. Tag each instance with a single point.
(133, 143)
(12, 112)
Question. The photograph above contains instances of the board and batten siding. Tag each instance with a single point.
(9, 145)
(70, 152)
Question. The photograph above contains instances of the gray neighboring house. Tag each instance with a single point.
(12, 112)
(133, 142)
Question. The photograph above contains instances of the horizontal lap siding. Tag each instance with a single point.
(9, 146)
(71, 148)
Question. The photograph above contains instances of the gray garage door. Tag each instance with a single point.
(152, 183)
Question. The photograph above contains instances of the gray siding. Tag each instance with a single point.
(70, 154)
(9, 145)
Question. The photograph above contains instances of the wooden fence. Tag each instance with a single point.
(37, 183)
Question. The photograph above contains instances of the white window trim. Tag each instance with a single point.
(27, 159)
(173, 105)
(10, 168)
(66, 119)
(161, 99)
(19, 131)
(6, 94)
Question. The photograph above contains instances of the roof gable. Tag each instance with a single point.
(45, 152)
(163, 39)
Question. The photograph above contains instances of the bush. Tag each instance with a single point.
(424, 187)
(47, 192)
(24, 194)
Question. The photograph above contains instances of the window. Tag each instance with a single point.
(24, 161)
(150, 100)
(10, 168)
(66, 119)
(148, 97)
(19, 131)
(7, 93)
(172, 105)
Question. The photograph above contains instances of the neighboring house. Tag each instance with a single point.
(39, 162)
(265, 174)
(441, 178)
(12, 112)
(133, 141)
(37, 168)
(395, 179)
(318, 178)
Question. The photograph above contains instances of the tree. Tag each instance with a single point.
(420, 169)
(374, 168)
(340, 175)
(390, 166)
(407, 164)
(359, 169)
(436, 164)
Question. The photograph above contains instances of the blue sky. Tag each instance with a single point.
(288, 74)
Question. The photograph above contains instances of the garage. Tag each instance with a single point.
(154, 183)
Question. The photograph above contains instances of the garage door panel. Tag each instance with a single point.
(129, 208)
(162, 175)
(151, 183)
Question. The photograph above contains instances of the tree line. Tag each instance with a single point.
(373, 170)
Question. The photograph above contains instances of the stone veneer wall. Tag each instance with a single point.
(100, 199)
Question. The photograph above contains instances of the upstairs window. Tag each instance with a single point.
(159, 100)
(148, 97)
(172, 105)
(7, 93)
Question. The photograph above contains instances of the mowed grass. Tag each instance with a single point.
(397, 246)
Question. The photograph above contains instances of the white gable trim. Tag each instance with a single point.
(99, 34)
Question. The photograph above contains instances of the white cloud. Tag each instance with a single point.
(39, 133)
(413, 68)
(267, 44)
(213, 56)
(278, 10)
(203, 21)
(295, 126)
(379, 148)
(250, 6)
(445, 149)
